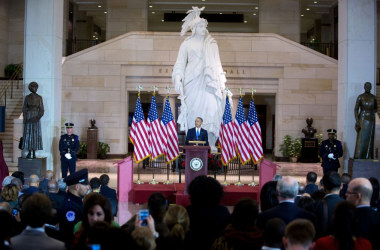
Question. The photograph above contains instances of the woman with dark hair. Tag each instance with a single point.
(242, 233)
(96, 208)
(268, 196)
(32, 110)
(344, 231)
(375, 204)
(207, 217)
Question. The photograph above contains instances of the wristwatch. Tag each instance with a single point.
(156, 235)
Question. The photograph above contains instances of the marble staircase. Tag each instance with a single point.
(13, 111)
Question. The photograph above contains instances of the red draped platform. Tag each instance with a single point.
(175, 193)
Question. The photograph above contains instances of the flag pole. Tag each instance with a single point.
(239, 182)
(153, 181)
(167, 182)
(253, 183)
(138, 175)
(225, 183)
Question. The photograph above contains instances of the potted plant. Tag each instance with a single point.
(103, 149)
(295, 149)
(285, 146)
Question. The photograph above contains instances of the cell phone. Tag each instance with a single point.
(143, 213)
(14, 211)
(94, 247)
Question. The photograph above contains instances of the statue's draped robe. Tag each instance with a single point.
(201, 72)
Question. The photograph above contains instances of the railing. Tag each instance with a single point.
(75, 45)
(329, 49)
(9, 85)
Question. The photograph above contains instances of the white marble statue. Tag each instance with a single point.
(199, 79)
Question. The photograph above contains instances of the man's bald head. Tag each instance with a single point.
(359, 191)
(287, 187)
(34, 180)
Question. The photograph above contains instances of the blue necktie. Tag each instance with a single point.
(197, 133)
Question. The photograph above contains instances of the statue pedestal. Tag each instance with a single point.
(92, 143)
(309, 151)
(364, 168)
(32, 166)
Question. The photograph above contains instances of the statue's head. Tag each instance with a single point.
(199, 27)
(309, 121)
(367, 87)
(33, 86)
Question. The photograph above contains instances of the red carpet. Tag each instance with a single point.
(175, 193)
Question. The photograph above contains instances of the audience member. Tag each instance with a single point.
(109, 192)
(6, 229)
(9, 193)
(359, 193)
(157, 206)
(43, 185)
(311, 179)
(277, 177)
(143, 239)
(346, 178)
(343, 231)
(62, 185)
(18, 183)
(299, 235)
(178, 222)
(96, 208)
(7, 180)
(318, 195)
(242, 232)
(95, 184)
(57, 198)
(207, 217)
(36, 210)
(287, 189)
(325, 207)
(301, 191)
(273, 233)
(20, 175)
(33, 182)
(307, 203)
(375, 204)
(268, 196)
(72, 210)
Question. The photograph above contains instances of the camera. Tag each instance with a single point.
(143, 213)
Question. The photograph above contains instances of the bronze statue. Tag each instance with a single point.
(365, 111)
(33, 110)
(309, 131)
(93, 122)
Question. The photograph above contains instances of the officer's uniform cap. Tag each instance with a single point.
(331, 131)
(79, 177)
(69, 125)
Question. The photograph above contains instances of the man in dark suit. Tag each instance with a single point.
(331, 149)
(36, 210)
(108, 192)
(287, 210)
(197, 133)
(359, 193)
(311, 178)
(325, 208)
(68, 148)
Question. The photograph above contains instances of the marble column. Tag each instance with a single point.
(281, 17)
(356, 64)
(43, 64)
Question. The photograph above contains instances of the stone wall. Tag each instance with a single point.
(16, 17)
(4, 36)
(97, 81)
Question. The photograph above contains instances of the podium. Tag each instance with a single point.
(92, 143)
(196, 163)
(309, 151)
(267, 171)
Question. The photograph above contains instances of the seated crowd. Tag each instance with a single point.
(74, 213)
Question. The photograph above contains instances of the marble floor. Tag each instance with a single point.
(128, 209)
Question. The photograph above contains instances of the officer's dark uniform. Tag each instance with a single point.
(71, 211)
(68, 144)
(330, 146)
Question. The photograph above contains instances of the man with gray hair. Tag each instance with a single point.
(287, 189)
(359, 193)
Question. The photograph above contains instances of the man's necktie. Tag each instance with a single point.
(197, 134)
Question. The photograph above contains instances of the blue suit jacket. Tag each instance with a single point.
(192, 136)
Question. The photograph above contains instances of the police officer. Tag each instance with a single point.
(331, 149)
(71, 211)
(68, 147)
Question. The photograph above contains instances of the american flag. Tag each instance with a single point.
(139, 134)
(170, 133)
(242, 134)
(254, 134)
(155, 132)
(226, 135)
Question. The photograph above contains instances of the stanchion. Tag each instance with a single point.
(153, 181)
(225, 183)
(138, 175)
(239, 182)
(167, 175)
(253, 183)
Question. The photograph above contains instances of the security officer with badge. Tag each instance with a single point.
(68, 147)
(331, 149)
(71, 211)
